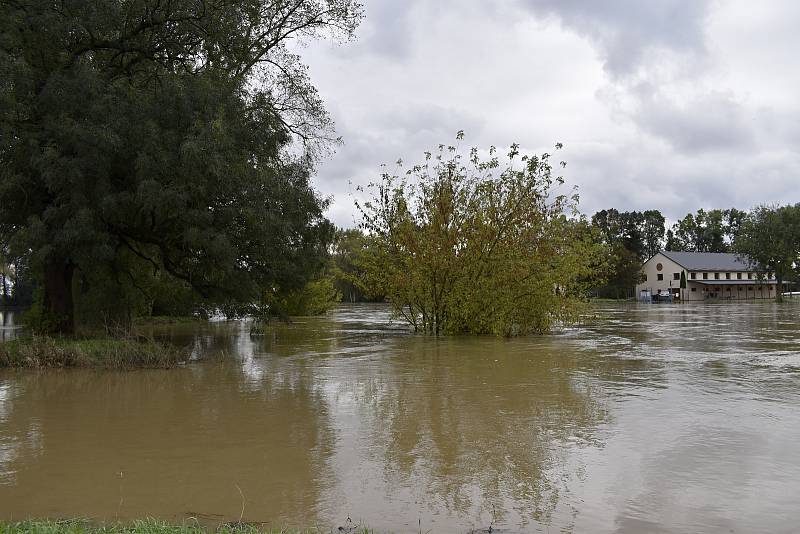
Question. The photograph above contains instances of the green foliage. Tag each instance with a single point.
(38, 318)
(174, 137)
(770, 238)
(315, 298)
(348, 255)
(622, 269)
(630, 237)
(477, 246)
(45, 351)
(706, 231)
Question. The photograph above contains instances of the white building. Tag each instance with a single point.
(709, 275)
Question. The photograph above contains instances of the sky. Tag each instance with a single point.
(662, 104)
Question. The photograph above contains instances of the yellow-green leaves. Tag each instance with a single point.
(470, 245)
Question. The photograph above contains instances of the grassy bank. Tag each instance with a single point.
(43, 351)
(149, 526)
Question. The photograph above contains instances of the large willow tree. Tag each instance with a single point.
(478, 246)
(171, 135)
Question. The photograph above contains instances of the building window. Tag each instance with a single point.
(660, 276)
(693, 276)
(676, 276)
(705, 276)
(716, 276)
(749, 276)
(751, 288)
(727, 276)
(694, 289)
(729, 290)
(738, 276)
(659, 266)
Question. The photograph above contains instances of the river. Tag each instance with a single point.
(681, 418)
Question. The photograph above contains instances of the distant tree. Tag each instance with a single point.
(733, 220)
(638, 232)
(706, 231)
(478, 246)
(623, 271)
(653, 232)
(770, 239)
(632, 223)
(687, 234)
(348, 257)
(630, 237)
(671, 244)
(142, 134)
(315, 298)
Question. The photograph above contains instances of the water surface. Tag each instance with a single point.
(647, 418)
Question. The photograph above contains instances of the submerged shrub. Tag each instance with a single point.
(478, 246)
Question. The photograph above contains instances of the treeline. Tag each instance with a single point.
(769, 235)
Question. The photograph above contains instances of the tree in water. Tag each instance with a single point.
(478, 246)
(770, 239)
(171, 137)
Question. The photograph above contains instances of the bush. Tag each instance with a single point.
(478, 246)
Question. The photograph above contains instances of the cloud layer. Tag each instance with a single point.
(672, 105)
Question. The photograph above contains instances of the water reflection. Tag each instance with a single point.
(645, 418)
(8, 325)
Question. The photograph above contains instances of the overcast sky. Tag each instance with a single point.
(665, 104)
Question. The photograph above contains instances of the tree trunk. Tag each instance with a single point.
(778, 288)
(4, 299)
(58, 296)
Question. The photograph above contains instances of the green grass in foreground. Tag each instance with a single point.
(148, 526)
(44, 351)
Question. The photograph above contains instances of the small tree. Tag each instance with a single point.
(770, 239)
(683, 283)
(478, 246)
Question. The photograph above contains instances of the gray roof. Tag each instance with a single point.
(709, 261)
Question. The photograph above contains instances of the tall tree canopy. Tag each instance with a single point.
(706, 231)
(641, 233)
(770, 238)
(630, 238)
(175, 136)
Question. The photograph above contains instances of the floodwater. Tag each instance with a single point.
(681, 418)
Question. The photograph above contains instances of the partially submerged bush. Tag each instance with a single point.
(477, 246)
(43, 351)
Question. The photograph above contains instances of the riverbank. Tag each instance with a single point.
(44, 351)
(148, 526)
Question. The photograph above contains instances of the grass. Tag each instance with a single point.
(149, 526)
(44, 351)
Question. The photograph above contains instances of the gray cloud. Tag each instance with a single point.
(712, 121)
(624, 31)
(673, 105)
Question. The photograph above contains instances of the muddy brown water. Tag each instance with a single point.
(646, 419)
